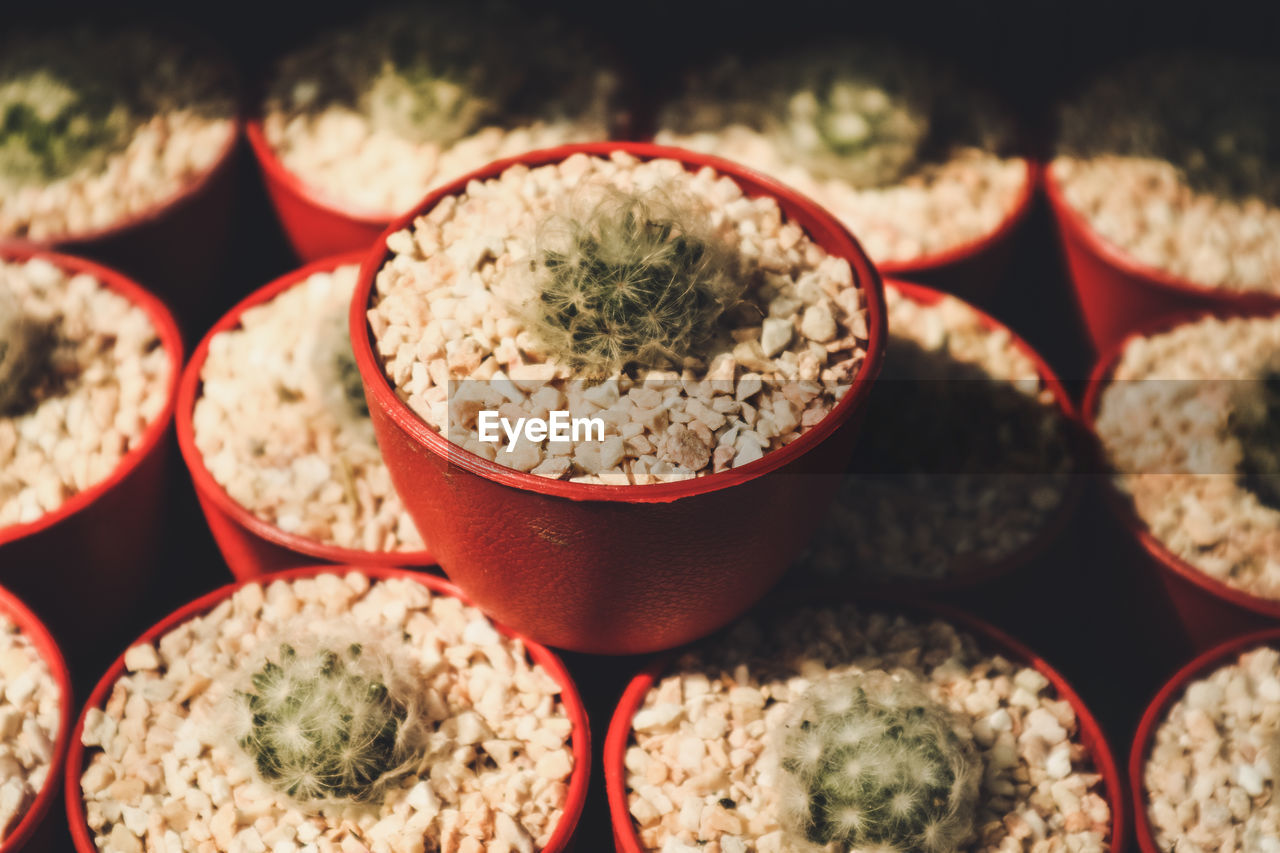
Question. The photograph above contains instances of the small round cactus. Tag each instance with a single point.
(871, 763)
(635, 281)
(1254, 420)
(23, 350)
(336, 374)
(329, 726)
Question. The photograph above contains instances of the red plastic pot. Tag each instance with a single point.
(315, 226)
(24, 835)
(1207, 610)
(101, 543)
(176, 245)
(618, 738)
(581, 736)
(1118, 294)
(988, 581)
(251, 546)
(973, 269)
(617, 569)
(1201, 667)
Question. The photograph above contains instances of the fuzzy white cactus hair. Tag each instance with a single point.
(869, 762)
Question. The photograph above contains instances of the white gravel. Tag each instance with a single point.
(160, 775)
(956, 192)
(103, 383)
(1167, 158)
(1210, 777)
(700, 772)
(964, 453)
(178, 105)
(1168, 423)
(445, 311)
(276, 427)
(512, 85)
(30, 713)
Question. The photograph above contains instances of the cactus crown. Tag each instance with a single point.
(1254, 420)
(636, 280)
(24, 346)
(872, 763)
(329, 726)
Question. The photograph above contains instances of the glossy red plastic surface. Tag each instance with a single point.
(1202, 666)
(580, 738)
(618, 569)
(101, 542)
(251, 546)
(618, 737)
(1116, 293)
(23, 836)
(315, 227)
(1206, 609)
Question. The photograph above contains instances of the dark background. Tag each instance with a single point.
(1084, 606)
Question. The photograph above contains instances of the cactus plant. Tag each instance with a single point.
(23, 349)
(870, 762)
(334, 366)
(329, 726)
(1254, 420)
(637, 280)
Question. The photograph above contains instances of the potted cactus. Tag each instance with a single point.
(275, 430)
(837, 728)
(1203, 764)
(370, 709)
(705, 326)
(964, 470)
(117, 144)
(357, 125)
(35, 705)
(920, 167)
(1166, 187)
(1182, 411)
(88, 367)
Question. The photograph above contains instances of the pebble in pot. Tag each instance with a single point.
(371, 117)
(696, 325)
(1172, 159)
(965, 459)
(330, 712)
(97, 128)
(914, 163)
(841, 729)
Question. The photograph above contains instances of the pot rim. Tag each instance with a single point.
(275, 170)
(1050, 531)
(1074, 225)
(933, 262)
(30, 626)
(1121, 507)
(794, 206)
(189, 390)
(543, 656)
(170, 338)
(992, 638)
(1202, 664)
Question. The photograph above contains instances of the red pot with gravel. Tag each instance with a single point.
(36, 703)
(459, 719)
(757, 705)
(1177, 410)
(89, 375)
(636, 536)
(968, 468)
(921, 167)
(274, 429)
(1202, 768)
(144, 173)
(358, 125)
(1164, 201)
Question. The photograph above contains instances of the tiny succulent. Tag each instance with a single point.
(336, 373)
(634, 281)
(329, 726)
(23, 349)
(421, 103)
(870, 762)
(1254, 420)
